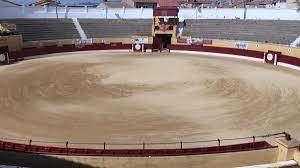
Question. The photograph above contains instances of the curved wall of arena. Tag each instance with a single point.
(286, 55)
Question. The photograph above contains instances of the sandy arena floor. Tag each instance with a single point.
(127, 97)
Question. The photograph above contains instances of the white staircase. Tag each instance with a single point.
(79, 29)
(296, 42)
(180, 27)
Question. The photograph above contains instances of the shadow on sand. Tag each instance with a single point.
(37, 161)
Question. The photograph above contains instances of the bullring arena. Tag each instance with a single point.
(116, 95)
(94, 92)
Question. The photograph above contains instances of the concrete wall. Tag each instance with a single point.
(31, 44)
(14, 42)
(297, 156)
(133, 13)
(74, 12)
(252, 13)
(263, 47)
(203, 161)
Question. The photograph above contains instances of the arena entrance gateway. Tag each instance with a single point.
(165, 20)
(161, 41)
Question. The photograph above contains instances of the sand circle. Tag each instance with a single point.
(127, 97)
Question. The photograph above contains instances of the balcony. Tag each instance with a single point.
(164, 29)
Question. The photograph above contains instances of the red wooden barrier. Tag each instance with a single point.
(289, 60)
(223, 50)
(17, 147)
(117, 46)
(241, 52)
(26, 52)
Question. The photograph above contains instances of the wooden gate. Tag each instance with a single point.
(157, 44)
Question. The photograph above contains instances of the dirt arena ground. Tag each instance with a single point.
(129, 97)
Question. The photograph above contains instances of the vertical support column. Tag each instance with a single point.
(86, 9)
(275, 59)
(23, 9)
(45, 8)
(297, 155)
(7, 58)
(245, 10)
(253, 141)
(66, 11)
(142, 11)
(287, 149)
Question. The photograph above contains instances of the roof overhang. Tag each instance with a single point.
(11, 2)
(166, 11)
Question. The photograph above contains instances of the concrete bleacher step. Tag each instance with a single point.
(45, 29)
(102, 28)
(280, 32)
(296, 42)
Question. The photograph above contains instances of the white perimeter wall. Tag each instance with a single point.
(133, 13)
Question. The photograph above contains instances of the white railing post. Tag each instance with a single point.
(45, 8)
(142, 11)
(23, 9)
(66, 11)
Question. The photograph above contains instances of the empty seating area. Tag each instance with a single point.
(108, 28)
(272, 31)
(44, 29)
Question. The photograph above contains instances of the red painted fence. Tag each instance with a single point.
(234, 51)
(17, 147)
(66, 48)
(241, 52)
(289, 60)
(117, 46)
(144, 151)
